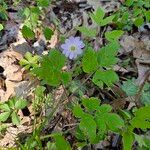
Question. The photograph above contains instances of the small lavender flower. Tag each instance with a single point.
(72, 47)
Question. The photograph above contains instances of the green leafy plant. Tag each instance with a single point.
(76, 66)
(51, 69)
(132, 13)
(104, 58)
(33, 17)
(131, 89)
(96, 120)
(98, 17)
(30, 61)
(140, 120)
(11, 108)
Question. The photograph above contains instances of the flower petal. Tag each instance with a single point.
(64, 46)
(71, 56)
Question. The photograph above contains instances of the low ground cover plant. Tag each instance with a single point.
(77, 67)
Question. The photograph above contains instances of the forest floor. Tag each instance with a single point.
(133, 64)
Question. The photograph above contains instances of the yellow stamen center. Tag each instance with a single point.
(72, 48)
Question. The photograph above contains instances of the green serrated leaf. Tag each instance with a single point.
(4, 116)
(21, 103)
(4, 107)
(87, 31)
(142, 118)
(12, 102)
(79, 134)
(88, 127)
(109, 77)
(29, 61)
(113, 35)
(105, 108)
(27, 32)
(100, 121)
(114, 122)
(89, 61)
(91, 103)
(50, 69)
(106, 55)
(15, 118)
(78, 112)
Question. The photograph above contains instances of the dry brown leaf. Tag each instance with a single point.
(11, 135)
(142, 55)
(127, 43)
(54, 40)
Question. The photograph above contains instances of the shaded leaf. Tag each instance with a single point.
(27, 32)
(48, 33)
(129, 88)
(66, 77)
